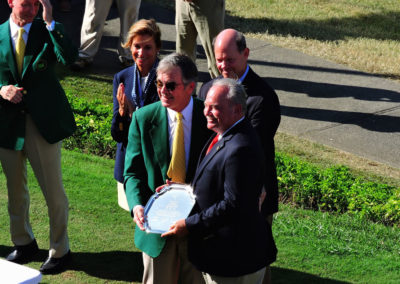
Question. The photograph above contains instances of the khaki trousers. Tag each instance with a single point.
(96, 12)
(252, 278)
(45, 160)
(122, 202)
(171, 265)
(201, 17)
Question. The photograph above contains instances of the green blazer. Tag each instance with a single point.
(43, 97)
(147, 160)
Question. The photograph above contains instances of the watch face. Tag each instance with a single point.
(172, 203)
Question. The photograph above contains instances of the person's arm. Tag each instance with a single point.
(120, 123)
(64, 50)
(135, 175)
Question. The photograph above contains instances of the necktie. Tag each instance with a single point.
(20, 50)
(213, 142)
(177, 166)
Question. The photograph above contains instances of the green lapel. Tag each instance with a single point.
(33, 47)
(159, 138)
(6, 49)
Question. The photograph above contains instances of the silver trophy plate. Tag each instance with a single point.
(172, 203)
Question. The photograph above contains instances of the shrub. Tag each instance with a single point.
(336, 189)
(93, 134)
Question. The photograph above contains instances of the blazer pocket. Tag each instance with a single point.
(40, 63)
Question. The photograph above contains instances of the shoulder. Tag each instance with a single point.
(124, 72)
(149, 111)
(255, 85)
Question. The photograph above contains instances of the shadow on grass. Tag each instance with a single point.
(108, 265)
(284, 276)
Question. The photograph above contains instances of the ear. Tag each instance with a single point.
(191, 86)
(238, 110)
(246, 52)
(10, 3)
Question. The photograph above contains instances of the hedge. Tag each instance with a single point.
(336, 189)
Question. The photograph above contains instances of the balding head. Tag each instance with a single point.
(231, 53)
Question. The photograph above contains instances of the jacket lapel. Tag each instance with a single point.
(33, 46)
(7, 50)
(159, 138)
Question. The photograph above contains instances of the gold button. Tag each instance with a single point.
(24, 92)
(61, 36)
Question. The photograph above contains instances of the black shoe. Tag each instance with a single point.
(81, 63)
(54, 265)
(23, 254)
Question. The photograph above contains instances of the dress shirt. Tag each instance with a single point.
(187, 113)
(244, 74)
(14, 28)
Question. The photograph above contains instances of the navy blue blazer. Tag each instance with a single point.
(120, 125)
(263, 111)
(227, 232)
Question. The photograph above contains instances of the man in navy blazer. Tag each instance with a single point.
(263, 109)
(226, 230)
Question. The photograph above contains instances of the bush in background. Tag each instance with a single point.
(336, 189)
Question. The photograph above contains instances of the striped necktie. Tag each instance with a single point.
(20, 50)
(177, 167)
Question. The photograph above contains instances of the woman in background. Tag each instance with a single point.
(134, 88)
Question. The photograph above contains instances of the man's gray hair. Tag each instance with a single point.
(185, 64)
(236, 92)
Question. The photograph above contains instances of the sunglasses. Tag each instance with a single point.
(170, 86)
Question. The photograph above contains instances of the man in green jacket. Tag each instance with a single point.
(34, 117)
(147, 163)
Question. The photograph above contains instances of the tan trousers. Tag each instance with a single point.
(252, 278)
(122, 202)
(201, 17)
(171, 265)
(96, 12)
(45, 160)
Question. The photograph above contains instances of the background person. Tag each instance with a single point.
(96, 12)
(228, 239)
(263, 109)
(153, 153)
(35, 117)
(199, 17)
(134, 87)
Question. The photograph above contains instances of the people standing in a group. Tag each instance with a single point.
(263, 109)
(203, 18)
(165, 141)
(96, 12)
(134, 87)
(35, 118)
(228, 238)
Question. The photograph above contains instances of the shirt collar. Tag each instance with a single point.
(186, 112)
(14, 28)
(244, 75)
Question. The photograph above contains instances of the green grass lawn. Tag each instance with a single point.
(314, 247)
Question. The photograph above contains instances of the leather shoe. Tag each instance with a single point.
(23, 254)
(54, 265)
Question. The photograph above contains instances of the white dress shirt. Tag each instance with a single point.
(187, 113)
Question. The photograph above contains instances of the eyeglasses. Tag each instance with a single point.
(170, 86)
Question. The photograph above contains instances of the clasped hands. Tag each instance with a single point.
(11, 93)
(125, 106)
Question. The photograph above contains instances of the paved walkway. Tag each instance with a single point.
(322, 101)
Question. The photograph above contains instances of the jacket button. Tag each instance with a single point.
(24, 92)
